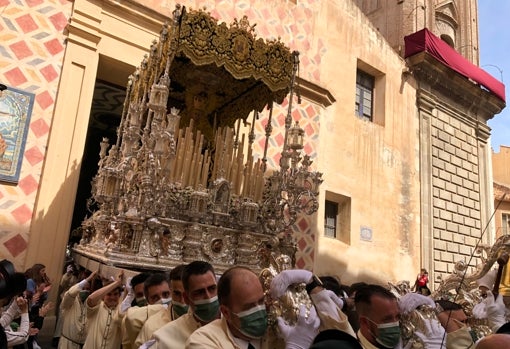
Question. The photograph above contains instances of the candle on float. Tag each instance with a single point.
(247, 178)
(178, 155)
(217, 152)
(182, 151)
(205, 168)
(197, 157)
(195, 143)
(187, 156)
(222, 154)
(233, 176)
(239, 172)
(229, 148)
(239, 180)
(198, 175)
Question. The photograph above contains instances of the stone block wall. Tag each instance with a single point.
(455, 190)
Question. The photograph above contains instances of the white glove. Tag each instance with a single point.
(488, 279)
(69, 269)
(286, 278)
(303, 333)
(327, 302)
(148, 344)
(126, 302)
(434, 336)
(480, 311)
(411, 301)
(129, 289)
(495, 311)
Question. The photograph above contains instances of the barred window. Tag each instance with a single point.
(330, 217)
(505, 220)
(364, 95)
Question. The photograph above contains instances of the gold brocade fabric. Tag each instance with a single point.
(504, 285)
(220, 62)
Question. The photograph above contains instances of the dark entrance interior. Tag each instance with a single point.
(105, 114)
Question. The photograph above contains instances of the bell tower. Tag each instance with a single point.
(454, 21)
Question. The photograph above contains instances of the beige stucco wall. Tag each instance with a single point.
(501, 164)
(375, 164)
(501, 174)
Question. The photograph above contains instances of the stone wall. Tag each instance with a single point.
(455, 189)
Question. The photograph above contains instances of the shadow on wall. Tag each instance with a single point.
(45, 246)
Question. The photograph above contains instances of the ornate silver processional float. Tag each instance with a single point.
(182, 183)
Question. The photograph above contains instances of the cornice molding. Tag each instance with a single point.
(458, 91)
(315, 93)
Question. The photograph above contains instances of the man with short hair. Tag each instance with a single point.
(379, 317)
(176, 308)
(136, 296)
(157, 293)
(157, 289)
(200, 293)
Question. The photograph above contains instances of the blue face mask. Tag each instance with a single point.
(179, 308)
(206, 310)
(253, 321)
(388, 334)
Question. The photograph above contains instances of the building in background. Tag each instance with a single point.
(402, 139)
(501, 174)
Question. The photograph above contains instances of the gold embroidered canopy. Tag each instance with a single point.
(222, 71)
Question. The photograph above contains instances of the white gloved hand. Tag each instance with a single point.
(69, 269)
(495, 311)
(488, 279)
(434, 336)
(129, 288)
(327, 302)
(286, 278)
(411, 301)
(480, 311)
(301, 335)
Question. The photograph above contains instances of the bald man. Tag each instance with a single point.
(244, 317)
(494, 341)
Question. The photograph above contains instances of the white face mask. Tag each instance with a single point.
(164, 301)
(141, 301)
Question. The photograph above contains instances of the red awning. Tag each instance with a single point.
(424, 40)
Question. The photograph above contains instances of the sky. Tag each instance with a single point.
(493, 16)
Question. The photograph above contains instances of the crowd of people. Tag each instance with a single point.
(190, 307)
(23, 299)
